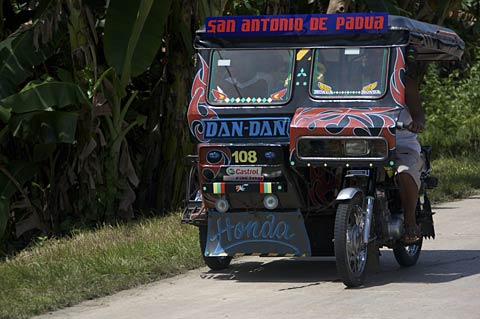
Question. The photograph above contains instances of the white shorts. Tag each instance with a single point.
(410, 162)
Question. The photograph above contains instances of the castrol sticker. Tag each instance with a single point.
(243, 173)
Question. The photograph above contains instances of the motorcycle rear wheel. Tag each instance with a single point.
(214, 263)
(407, 256)
(350, 254)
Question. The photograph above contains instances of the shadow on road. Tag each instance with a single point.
(434, 266)
(302, 270)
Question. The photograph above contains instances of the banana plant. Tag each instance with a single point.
(13, 176)
(41, 113)
(132, 37)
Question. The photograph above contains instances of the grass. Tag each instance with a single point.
(60, 273)
(458, 178)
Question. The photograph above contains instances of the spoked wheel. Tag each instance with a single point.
(214, 263)
(350, 252)
(407, 256)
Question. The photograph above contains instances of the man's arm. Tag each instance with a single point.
(414, 103)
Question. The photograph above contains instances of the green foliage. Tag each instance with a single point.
(12, 178)
(452, 107)
(14, 175)
(32, 114)
(141, 26)
(458, 177)
(383, 6)
(45, 96)
(4, 214)
(19, 55)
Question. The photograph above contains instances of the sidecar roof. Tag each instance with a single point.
(432, 42)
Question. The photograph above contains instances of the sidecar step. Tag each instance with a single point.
(194, 213)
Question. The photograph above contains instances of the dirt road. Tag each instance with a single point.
(444, 284)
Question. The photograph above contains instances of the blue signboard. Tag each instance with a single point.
(306, 24)
(246, 127)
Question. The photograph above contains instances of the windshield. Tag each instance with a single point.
(349, 73)
(247, 77)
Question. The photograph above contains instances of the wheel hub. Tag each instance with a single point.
(356, 249)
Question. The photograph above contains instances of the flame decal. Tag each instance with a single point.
(321, 187)
(338, 119)
(279, 95)
(323, 86)
(219, 96)
(371, 121)
(396, 79)
(198, 109)
(370, 87)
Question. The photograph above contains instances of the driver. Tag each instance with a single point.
(247, 78)
(408, 156)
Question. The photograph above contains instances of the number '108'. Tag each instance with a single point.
(244, 157)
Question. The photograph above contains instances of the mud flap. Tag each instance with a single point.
(426, 220)
(257, 233)
(426, 224)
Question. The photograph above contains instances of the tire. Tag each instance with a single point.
(407, 256)
(214, 263)
(351, 257)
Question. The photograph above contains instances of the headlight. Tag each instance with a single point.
(214, 157)
(340, 148)
(356, 148)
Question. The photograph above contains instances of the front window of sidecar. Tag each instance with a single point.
(250, 77)
(349, 73)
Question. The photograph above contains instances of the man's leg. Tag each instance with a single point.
(409, 198)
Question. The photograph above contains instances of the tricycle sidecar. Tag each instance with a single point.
(295, 120)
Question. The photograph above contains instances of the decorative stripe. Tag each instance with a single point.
(289, 255)
(301, 54)
(272, 255)
(266, 188)
(219, 188)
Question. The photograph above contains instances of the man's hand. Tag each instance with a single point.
(416, 126)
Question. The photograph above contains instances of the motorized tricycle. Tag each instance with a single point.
(295, 119)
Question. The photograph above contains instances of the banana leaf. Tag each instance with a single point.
(134, 26)
(45, 127)
(18, 56)
(14, 175)
(384, 6)
(45, 96)
(18, 172)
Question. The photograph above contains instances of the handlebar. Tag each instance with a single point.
(403, 126)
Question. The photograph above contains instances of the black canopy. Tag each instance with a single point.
(432, 42)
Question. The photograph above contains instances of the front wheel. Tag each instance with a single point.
(350, 252)
(214, 263)
(407, 256)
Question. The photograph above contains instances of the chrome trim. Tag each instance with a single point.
(348, 193)
(368, 219)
